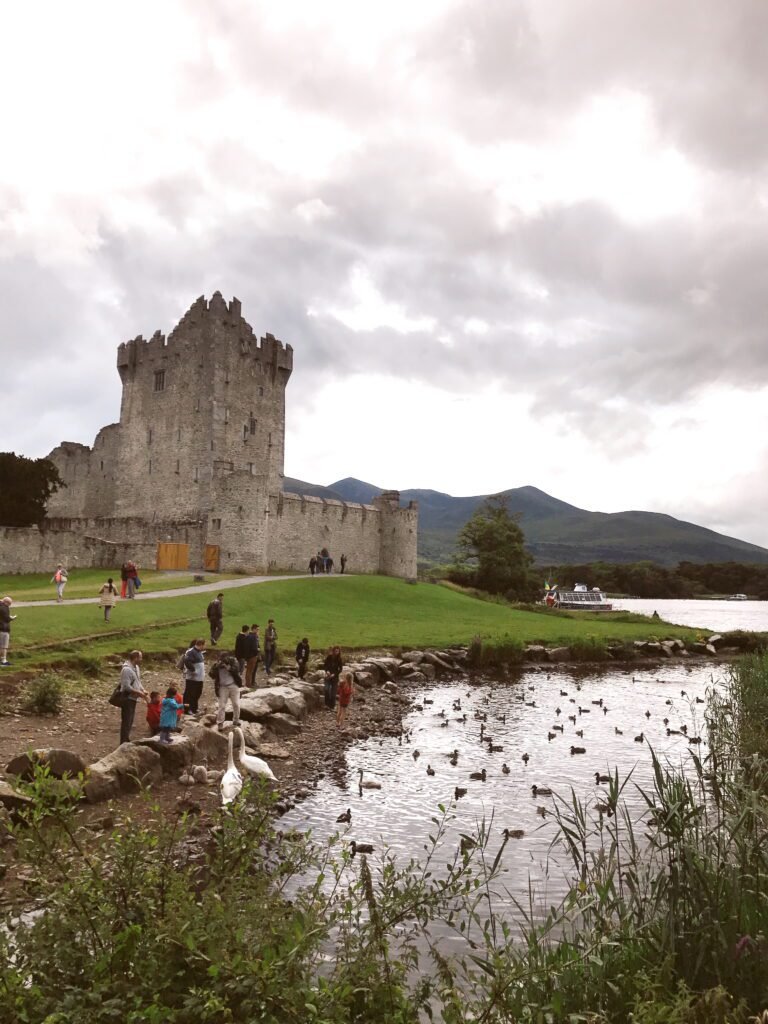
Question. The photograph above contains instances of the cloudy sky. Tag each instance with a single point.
(511, 241)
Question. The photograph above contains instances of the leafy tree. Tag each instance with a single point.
(25, 487)
(492, 552)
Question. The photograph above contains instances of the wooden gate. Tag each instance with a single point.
(173, 556)
(211, 558)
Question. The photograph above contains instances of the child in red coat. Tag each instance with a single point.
(153, 713)
(346, 691)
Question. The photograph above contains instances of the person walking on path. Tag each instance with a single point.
(194, 675)
(302, 656)
(346, 692)
(132, 692)
(215, 614)
(132, 580)
(332, 667)
(241, 646)
(108, 598)
(169, 714)
(312, 565)
(270, 646)
(5, 629)
(227, 682)
(343, 561)
(124, 579)
(60, 578)
(252, 655)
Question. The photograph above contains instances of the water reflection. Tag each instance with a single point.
(713, 615)
(520, 718)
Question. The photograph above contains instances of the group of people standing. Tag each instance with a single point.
(323, 563)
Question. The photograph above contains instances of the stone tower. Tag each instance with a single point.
(206, 401)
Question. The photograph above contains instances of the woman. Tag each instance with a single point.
(332, 667)
(108, 598)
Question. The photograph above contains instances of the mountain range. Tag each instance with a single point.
(556, 533)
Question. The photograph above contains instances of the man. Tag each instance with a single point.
(226, 676)
(302, 656)
(241, 646)
(215, 613)
(270, 645)
(5, 629)
(132, 692)
(194, 675)
(343, 561)
(312, 565)
(253, 645)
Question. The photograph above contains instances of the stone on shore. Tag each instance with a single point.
(174, 755)
(208, 745)
(559, 654)
(125, 770)
(59, 763)
(10, 799)
(282, 725)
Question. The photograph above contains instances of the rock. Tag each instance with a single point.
(653, 648)
(388, 667)
(535, 652)
(184, 805)
(427, 670)
(559, 654)
(716, 639)
(440, 660)
(389, 687)
(174, 755)
(710, 648)
(283, 699)
(413, 656)
(253, 709)
(667, 650)
(414, 677)
(639, 645)
(125, 770)
(253, 733)
(365, 679)
(310, 693)
(208, 745)
(283, 725)
(59, 762)
(10, 799)
(274, 751)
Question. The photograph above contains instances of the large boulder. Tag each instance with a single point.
(282, 725)
(311, 694)
(283, 699)
(174, 755)
(253, 708)
(273, 751)
(365, 679)
(10, 799)
(535, 652)
(439, 660)
(413, 656)
(559, 654)
(208, 745)
(253, 733)
(60, 763)
(125, 770)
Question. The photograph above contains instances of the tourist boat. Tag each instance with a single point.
(738, 597)
(581, 599)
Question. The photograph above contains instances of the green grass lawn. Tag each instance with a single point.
(354, 611)
(86, 583)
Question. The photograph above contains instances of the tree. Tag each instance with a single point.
(25, 487)
(492, 552)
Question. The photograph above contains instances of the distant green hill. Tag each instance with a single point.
(557, 533)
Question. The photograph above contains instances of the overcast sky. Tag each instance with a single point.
(511, 242)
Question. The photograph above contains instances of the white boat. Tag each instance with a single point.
(580, 598)
(738, 597)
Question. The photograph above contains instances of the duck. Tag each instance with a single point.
(558, 728)
(458, 793)
(513, 833)
(699, 700)
(572, 718)
(478, 776)
(580, 733)
(563, 693)
(253, 765)
(640, 738)
(578, 750)
(694, 739)
(231, 781)
(345, 818)
(467, 843)
(558, 711)
(505, 768)
(416, 755)
(430, 770)
(551, 736)
(598, 703)
(647, 714)
(540, 791)
(495, 748)
(454, 758)
(361, 847)
(428, 700)
(525, 758)
(603, 808)
(601, 778)
(618, 731)
(368, 783)
(585, 711)
(542, 811)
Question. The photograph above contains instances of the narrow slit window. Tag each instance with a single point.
(252, 425)
(159, 380)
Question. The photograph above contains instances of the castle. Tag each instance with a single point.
(192, 475)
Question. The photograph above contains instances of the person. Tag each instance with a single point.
(215, 614)
(320, 562)
(169, 714)
(60, 578)
(302, 656)
(123, 579)
(343, 563)
(312, 565)
(132, 692)
(154, 706)
(241, 646)
(180, 712)
(132, 580)
(329, 564)
(270, 645)
(346, 691)
(252, 655)
(332, 667)
(226, 677)
(194, 674)
(108, 598)
(5, 629)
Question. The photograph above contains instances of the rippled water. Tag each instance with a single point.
(719, 615)
(398, 815)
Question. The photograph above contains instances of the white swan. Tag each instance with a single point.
(231, 780)
(253, 765)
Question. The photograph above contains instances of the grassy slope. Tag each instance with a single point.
(86, 583)
(355, 612)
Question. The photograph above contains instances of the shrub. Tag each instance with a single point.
(44, 696)
(495, 653)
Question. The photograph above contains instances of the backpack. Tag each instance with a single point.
(182, 664)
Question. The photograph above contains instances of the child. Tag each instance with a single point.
(346, 690)
(168, 714)
(153, 713)
(180, 712)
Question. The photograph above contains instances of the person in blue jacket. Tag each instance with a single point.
(168, 715)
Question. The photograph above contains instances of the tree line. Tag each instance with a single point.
(646, 579)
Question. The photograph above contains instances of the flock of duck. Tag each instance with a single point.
(572, 722)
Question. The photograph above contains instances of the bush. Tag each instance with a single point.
(44, 696)
(495, 653)
(589, 648)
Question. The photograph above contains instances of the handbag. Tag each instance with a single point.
(116, 698)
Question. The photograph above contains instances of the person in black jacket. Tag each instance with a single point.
(5, 629)
(332, 667)
(302, 656)
(241, 647)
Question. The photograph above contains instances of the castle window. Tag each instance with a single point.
(102, 463)
(178, 434)
(197, 405)
(252, 425)
(250, 468)
(195, 475)
(149, 436)
(261, 391)
(216, 524)
(245, 432)
(177, 465)
(150, 465)
(226, 413)
(159, 380)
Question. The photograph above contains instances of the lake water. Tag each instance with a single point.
(715, 615)
(519, 716)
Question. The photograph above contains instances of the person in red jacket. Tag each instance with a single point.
(153, 713)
